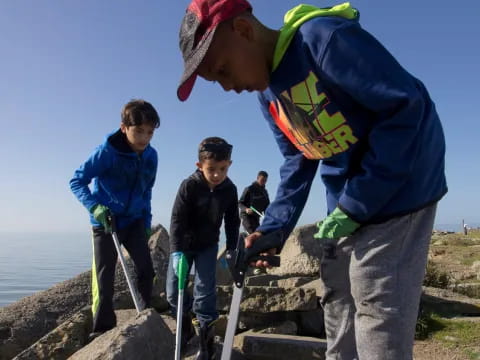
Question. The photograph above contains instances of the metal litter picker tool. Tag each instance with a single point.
(113, 224)
(238, 262)
(257, 212)
(182, 270)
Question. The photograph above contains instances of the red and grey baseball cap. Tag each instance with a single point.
(196, 34)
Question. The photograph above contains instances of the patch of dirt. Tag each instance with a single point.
(431, 349)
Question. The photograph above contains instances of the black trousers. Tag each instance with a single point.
(134, 239)
(250, 222)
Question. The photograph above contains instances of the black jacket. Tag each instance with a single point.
(198, 213)
(254, 195)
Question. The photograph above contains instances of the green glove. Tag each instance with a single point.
(101, 213)
(336, 225)
(148, 232)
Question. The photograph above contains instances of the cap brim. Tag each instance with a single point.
(191, 65)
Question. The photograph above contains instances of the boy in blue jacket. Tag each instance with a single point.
(123, 171)
(332, 94)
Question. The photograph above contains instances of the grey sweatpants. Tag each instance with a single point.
(373, 285)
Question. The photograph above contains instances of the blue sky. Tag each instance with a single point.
(67, 67)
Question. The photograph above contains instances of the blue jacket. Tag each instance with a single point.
(337, 95)
(122, 180)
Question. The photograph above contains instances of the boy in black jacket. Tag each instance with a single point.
(203, 200)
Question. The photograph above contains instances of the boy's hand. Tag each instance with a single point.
(249, 211)
(249, 240)
(101, 213)
(175, 260)
(336, 225)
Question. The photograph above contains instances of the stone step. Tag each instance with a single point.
(256, 346)
(262, 299)
(448, 303)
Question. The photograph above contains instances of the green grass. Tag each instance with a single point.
(435, 277)
(459, 239)
(464, 335)
(469, 259)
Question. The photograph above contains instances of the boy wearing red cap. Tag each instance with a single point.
(332, 94)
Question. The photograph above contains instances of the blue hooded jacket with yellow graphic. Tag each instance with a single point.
(122, 180)
(337, 95)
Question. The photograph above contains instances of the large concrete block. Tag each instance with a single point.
(255, 346)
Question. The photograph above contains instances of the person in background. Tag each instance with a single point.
(254, 200)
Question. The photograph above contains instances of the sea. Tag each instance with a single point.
(32, 262)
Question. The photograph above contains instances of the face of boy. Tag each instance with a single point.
(261, 180)
(235, 59)
(215, 172)
(138, 136)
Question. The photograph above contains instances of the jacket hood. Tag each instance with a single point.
(295, 17)
(117, 140)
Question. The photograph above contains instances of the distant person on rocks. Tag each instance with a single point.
(336, 99)
(123, 171)
(254, 200)
(204, 200)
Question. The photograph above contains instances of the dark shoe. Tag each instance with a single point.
(187, 330)
(206, 347)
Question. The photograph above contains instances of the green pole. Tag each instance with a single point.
(182, 269)
(182, 272)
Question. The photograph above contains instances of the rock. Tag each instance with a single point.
(476, 268)
(438, 252)
(63, 341)
(69, 337)
(268, 299)
(159, 302)
(285, 328)
(221, 325)
(223, 275)
(159, 251)
(261, 280)
(284, 281)
(147, 336)
(29, 319)
(471, 289)
(252, 320)
(447, 303)
(316, 284)
(255, 346)
(450, 338)
(292, 282)
(301, 254)
(34, 316)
